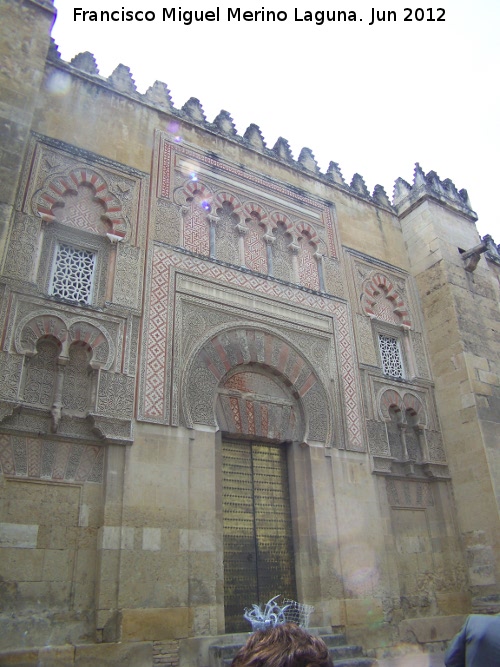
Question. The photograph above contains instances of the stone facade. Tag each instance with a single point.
(167, 284)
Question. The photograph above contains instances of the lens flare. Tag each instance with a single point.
(58, 83)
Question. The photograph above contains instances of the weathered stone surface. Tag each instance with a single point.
(155, 624)
(427, 630)
(109, 655)
(56, 656)
(233, 294)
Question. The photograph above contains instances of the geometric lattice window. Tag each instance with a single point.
(73, 274)
(392, 361)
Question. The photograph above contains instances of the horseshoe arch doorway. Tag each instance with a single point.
(257, 415)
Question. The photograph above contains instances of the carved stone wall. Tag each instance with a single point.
(174, 273)
(79, 200)
(23, 247)
(31, 458)
(51, 351)
(127, 287)
(402, 437)
(228, 225)
(231, 290)
(387, 304)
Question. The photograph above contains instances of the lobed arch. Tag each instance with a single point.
(279, 218)
(380, 284)
(221, 354)
(254, 212)
(390, 399)
(413, 405)
(401, 404)
(198, 190)
(65, 333)
(305, 229)
(253, 209)
(52, 195)
(226, 197)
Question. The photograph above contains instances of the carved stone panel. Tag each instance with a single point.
(420, 358)
(316, 408)
(41, 374)
(196, 229)
(282, 258)
(366, 345)
(22, 258)
(116, 395)
(77, 386)
(128, 273)
(334, 277)
(168, 221)
(255, 248)
(10, 375)
(435, 446)
(35, 458)
(201, 384)
(410, 494)
(377, 438)
(226, 235)
(308, 265)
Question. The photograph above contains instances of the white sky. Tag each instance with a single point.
(376, 99)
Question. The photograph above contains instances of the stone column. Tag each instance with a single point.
(294, 249)
(212, 221)
(269, 240)
(242, 230)
(321, 278)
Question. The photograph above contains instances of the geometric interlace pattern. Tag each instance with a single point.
(384, 309)
(392, 363)
(160, 309)
(73, 274)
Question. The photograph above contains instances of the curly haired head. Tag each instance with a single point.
(285, 645)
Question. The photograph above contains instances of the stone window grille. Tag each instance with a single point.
(390, 353)
(73, 274)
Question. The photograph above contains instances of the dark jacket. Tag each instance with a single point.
(477, 644)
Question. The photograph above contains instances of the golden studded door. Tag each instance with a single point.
(258, 545)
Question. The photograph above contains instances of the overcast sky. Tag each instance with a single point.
(374, 98)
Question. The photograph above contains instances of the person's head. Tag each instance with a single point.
(285, 645)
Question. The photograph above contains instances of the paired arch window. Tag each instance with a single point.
(405, 420)
(49, 383)
(62, 360)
